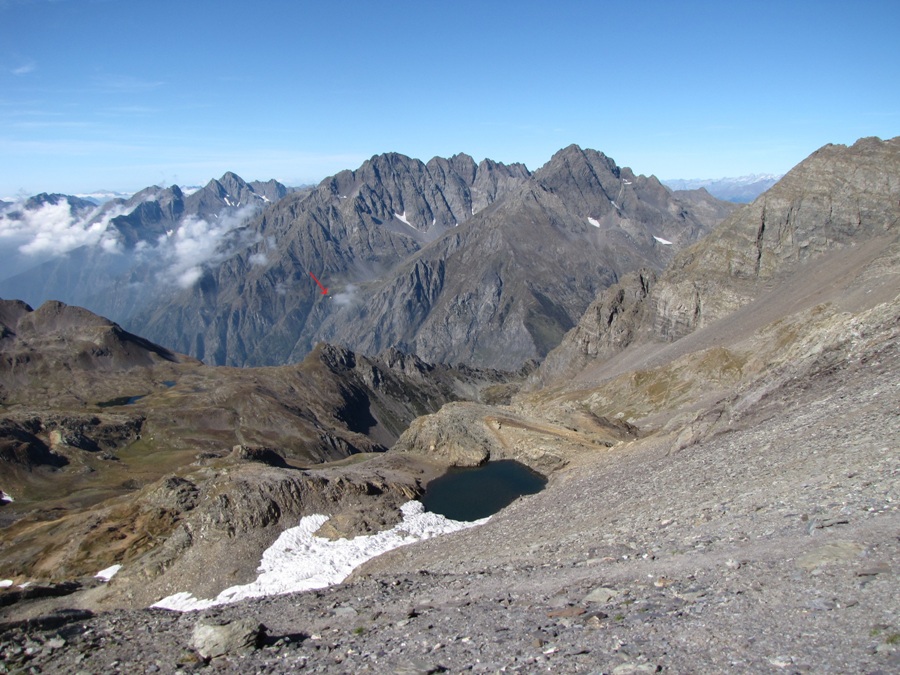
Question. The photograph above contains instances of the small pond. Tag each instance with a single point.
(473, 493)
(121, 400)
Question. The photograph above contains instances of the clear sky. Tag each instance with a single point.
(121, 94)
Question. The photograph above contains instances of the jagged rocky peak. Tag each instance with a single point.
(429, 198)
(461, 164)
(384, 239)
(270, 190)
(231, 192)
(76, 206)
(44, 199)
(594, 186)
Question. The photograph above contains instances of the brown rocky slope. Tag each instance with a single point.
(116, 450)
(723, 494)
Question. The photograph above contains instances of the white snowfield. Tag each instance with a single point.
(108, 573)
(300, 561)
(5, 498)
(594, 222)
(661, 240)
(402, 219)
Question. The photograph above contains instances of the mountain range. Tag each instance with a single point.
(439, 259)
(112, 257)
(718, 429)
(742, 189)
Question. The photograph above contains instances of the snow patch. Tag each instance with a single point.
(613, 203)
(627, 182)
(6, 583)
(108, 573)
(662, 241)
(594, 222)
(403, 219)
(5, 497)
(300, 561)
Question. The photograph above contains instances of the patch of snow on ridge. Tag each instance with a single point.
(403, 219)
(661, 240)
(108, 573)
(5, 498)
(301, 561)
(6, 583)
(594, 222)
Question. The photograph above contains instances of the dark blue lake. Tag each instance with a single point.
(473, 493)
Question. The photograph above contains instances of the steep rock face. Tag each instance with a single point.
(836, 197)
(610, 323)
(505, 287)
(262, 307)
(839, 198)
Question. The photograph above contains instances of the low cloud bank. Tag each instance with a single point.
(35, 235)
(198, 242)
(31, 236)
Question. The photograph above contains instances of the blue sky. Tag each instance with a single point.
(121, 94)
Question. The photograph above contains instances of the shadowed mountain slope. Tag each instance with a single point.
(513, 261)
(262, 307)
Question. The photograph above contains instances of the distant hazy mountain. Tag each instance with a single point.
(742, 190)
(103, 196)
(115, 257)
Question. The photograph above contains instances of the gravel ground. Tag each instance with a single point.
(773, 546)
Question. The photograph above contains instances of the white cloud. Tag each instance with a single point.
(197, 242)
(32, 236)
(346, 297)
(52, 230)
(25, 68)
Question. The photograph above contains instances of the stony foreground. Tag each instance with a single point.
(771, 548)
